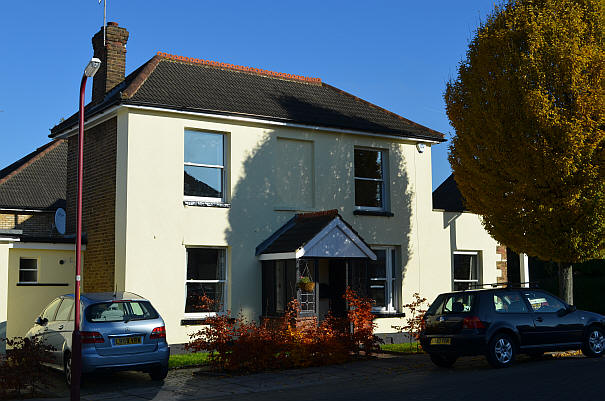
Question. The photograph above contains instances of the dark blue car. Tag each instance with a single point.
(502, 322)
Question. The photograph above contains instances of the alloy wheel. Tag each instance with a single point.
(503, 351)
(68, 369)
(596, 341)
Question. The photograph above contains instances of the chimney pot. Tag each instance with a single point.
(112, 23)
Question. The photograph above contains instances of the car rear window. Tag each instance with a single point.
(458, 303)
(452, 303)
(119, 311)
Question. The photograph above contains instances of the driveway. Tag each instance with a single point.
(398, 377)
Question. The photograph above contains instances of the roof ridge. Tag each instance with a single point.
(34, 156)
(241, 68)
(141, 77)
(382, 109)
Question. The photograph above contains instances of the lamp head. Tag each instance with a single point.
(92, 67)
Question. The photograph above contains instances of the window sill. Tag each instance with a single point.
(42, 284)
(199, 321)
(378, 314)
(221, 205)
(363, 212)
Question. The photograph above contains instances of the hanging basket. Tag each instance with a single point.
(306, 286)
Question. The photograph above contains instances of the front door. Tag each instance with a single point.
(338, 285)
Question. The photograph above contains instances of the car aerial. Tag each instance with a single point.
(502, 322)
(119, 331)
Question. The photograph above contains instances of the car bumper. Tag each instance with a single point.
(91, 361)
(468, 344)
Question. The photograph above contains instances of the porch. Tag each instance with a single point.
(327, 251)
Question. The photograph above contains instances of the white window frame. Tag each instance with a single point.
(37, 270)
(216, 166)
(478, 266)
(224, 281)
(390, 298)
(385, 181)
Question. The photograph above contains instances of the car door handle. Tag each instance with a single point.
(539, 319)
(60, 327)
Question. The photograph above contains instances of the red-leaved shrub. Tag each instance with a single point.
(415, 321)
(238, 345)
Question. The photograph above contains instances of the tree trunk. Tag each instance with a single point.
(566, 282)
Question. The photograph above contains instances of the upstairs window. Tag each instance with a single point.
(28, 270)
(370, 188)
(204, 166)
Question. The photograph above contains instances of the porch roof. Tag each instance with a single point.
(319, 234)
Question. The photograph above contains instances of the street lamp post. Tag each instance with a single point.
(75, 365)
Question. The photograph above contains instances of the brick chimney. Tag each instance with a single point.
(113, 59)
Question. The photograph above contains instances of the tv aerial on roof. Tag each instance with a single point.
(104, 21)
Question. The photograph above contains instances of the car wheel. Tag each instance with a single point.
(159, 374)
(594, 342)
(443, 361)
(67, 368)
(501, 351)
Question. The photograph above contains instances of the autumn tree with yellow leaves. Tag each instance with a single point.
(529, 113)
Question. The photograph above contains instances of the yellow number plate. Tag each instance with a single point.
(127, 340)
(441, 341)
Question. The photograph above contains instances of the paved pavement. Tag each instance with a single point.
(399, 377)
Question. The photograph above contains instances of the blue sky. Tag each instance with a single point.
(397, 54)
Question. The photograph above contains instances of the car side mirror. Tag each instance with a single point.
(568, 309)
(41, 321)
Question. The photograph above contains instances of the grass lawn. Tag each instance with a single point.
(404, 348)
(201, 358)
(186, 360)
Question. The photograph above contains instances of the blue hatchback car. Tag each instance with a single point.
(120, 331)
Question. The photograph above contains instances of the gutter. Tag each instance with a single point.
(110, 111)
(278, 123)
(102, 116)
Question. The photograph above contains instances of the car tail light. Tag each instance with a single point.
(92, 337)
(158, 332)
(472, 322)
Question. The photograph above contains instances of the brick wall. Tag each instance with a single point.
(113, 59)
(40, 224)
(98, 203)
(501, 264)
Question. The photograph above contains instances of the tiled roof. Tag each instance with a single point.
(184, 84)
(37, 181)
(299, 230)
(447, 196)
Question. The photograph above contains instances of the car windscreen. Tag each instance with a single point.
(120, 311)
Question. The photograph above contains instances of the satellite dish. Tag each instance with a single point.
(60, 220)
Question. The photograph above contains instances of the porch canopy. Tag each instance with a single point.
(314, 235)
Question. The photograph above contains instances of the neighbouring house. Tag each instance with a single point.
(205, 178)
(460, 225)
(36, 259)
